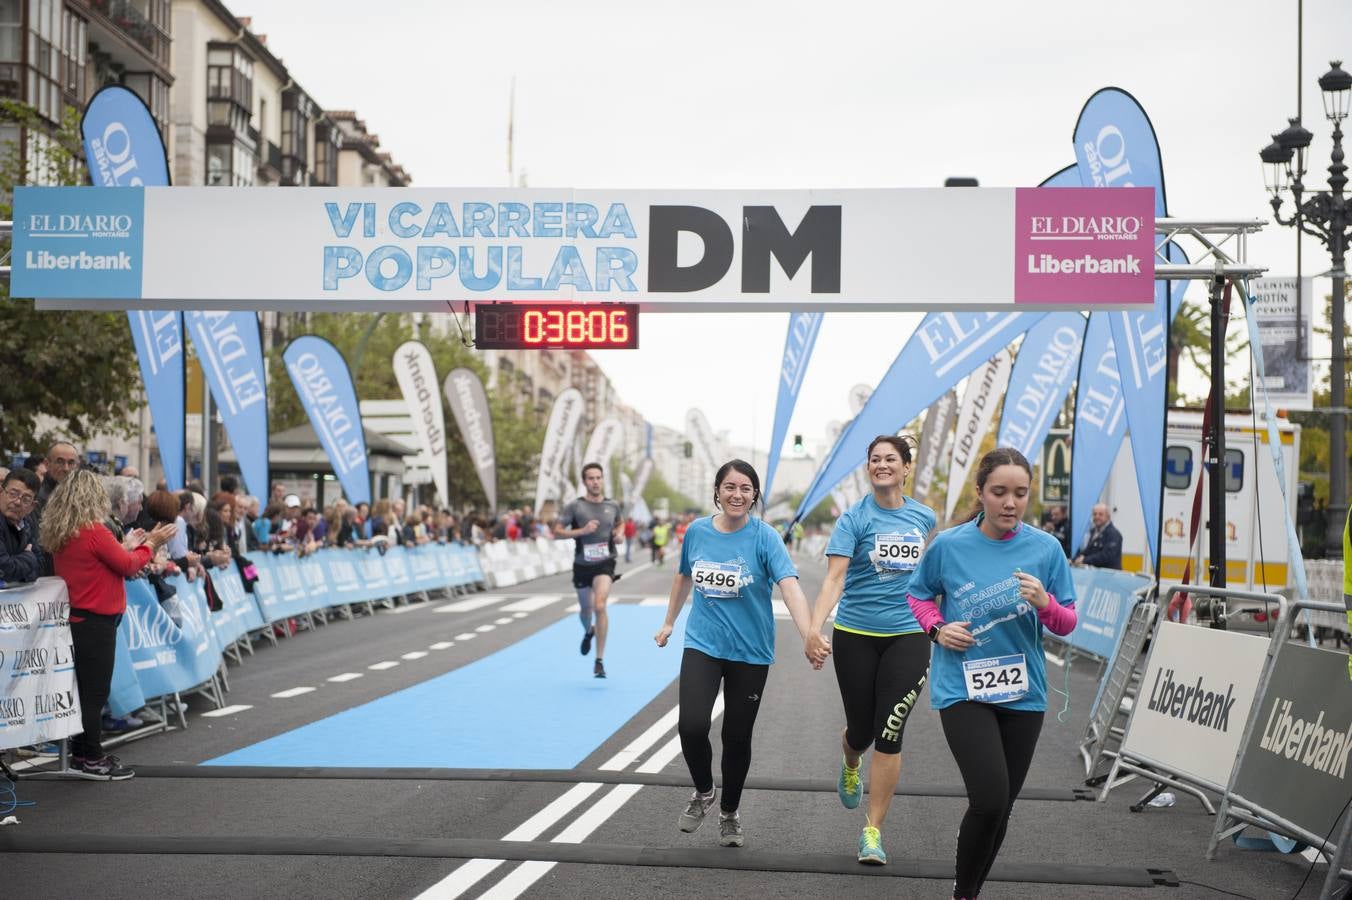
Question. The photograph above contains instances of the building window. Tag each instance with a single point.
(229, 165)
(229, 87)
(11, 31)
(152, 89)
(328, 141)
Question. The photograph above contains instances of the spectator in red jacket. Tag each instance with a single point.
(93, 564)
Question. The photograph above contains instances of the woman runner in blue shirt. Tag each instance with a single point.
(881, 654)
(731, 561)
(984, 591)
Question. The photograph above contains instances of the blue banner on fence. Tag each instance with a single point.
(798, 344)
(231, 353)
(944, 348)
(324, 385)
(1104, 599)
(168, 657)
(123, 149)
(125, 694)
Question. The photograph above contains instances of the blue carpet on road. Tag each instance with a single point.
(532, 705)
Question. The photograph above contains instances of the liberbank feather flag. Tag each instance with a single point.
(563, 422)
(123, 149)
(604, 444)
(324, 385)
(1115, 146)
(944, 348)
(231, 352)
(985, 387)
(417, 377)
(465, 393)
(798, 344)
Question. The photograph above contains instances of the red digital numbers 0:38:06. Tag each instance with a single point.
(513, 326)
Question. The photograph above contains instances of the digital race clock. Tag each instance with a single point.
(567, 326)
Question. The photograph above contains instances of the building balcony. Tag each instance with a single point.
(128, 20)
(270, 159)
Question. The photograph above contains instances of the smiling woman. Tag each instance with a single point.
(730, 560)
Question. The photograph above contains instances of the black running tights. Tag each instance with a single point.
(742, 687)
(993, 748)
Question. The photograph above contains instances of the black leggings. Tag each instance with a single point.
(880, 679)
(94, 638)
(742, 686)
(993, 747)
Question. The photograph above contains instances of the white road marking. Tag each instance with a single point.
(346, 676)
(467, 636)
(531, 604)
(292, 692)
(505, 620)
(441, 645)
(226, 711)
(640, 744)
(472, 872)
(519, 615)
(471, 604)
(382, 666)
(414, 654)
(484, 629)
(654, 601)
(400, 610)
(520, 880)
(1054, 660)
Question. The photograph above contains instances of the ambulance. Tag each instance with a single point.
(1256, 553)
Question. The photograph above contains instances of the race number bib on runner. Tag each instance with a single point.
(719, 581)
(899, 552)
(595, 552)
(999, 679)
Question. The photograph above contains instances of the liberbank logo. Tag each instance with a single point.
(76, 242)
(1074, 245)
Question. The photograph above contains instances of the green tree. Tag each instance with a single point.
(657, 490)
(63, 375)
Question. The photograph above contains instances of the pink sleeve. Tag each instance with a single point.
(1057, 618)
(926, 612)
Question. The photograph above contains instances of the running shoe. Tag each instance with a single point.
(587, 639)
(598, 670)
(871, 847)
(693, 817)
(730, 830)
(848, 786)
(103, 768)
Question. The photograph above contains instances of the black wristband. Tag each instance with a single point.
(934, 633)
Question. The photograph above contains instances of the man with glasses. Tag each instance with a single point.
(21, 558)
(62, 459)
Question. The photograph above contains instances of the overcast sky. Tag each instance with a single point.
(731, 94)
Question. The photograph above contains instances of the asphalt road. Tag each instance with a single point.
(418, 833)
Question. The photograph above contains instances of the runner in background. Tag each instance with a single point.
(983, 592)
(881, 654)
(661, 534)
(594, 524)
(731, 561)
(630, 533)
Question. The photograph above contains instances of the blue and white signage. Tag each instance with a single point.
(387, 248)
(231, 352)
(325, 388)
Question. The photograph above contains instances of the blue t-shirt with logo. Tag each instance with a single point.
(730, 615)
(884, 547)
(974, 575)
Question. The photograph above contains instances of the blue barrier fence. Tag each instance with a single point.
(158, 656)
(1104, 599)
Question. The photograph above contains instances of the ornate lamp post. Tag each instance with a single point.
(1323, 214)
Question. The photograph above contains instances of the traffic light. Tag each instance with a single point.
(797, 443)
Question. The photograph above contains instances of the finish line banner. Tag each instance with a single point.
(388, 249)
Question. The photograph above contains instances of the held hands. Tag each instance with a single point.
(1031, 590)
(816, 648)
(955, 636)
(663, 634)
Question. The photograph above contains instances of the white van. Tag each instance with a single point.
(1256, 555)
